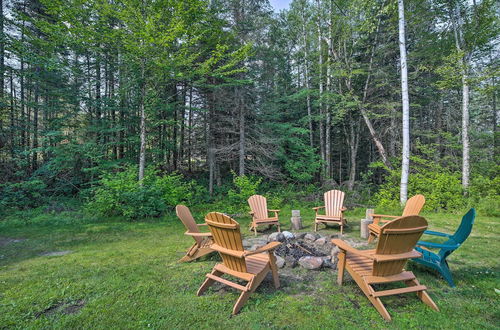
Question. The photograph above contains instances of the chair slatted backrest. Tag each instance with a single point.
(463, 231)
(465, 227)
(334, 201)
(226, 234)
(187, 219)
(414, 205)
(398, 236)
(258, 205)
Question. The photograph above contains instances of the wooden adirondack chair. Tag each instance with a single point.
(413, 207)
(437, 260)
(203, 241)
(250, 266)
(260, 213)
(385, 263)
(334, 208)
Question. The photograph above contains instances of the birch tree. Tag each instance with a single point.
(405, 166)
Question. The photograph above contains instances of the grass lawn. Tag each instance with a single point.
(125, 275)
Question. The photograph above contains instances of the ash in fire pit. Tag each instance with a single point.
(310, 251)
(297, 249)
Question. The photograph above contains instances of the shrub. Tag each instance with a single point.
(244, 187)
(120, 194)
(22, 195)
(484, 195)
(442, 189)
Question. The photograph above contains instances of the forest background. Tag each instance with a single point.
(126, 108)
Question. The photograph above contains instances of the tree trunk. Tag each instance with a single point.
(12, 115)
(405, 166)
(306, 78)
(353, 148)
(465, 131)
(320, 83)
(34, 162)
(459, 42)
(2, 56)
(190, 125)
(142, 152)
(242, 146)
(175, 129)
(362, 109)
(183, 125)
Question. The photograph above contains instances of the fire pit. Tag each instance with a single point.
(308, 250)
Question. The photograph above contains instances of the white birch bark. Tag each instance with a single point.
(142, 152)
(405, 167)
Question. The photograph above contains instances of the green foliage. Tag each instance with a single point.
(244, 187)
(442, 189)
(120, 194)
(485, 195)
(22, 195)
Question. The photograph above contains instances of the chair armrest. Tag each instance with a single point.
(234, 253)
(347, 248)
(251, 212)
(343, 209)
(268, 247)
(438, 245)
(318, 207)
(188, 233)
(274, 210)
(201, 224)
(384, 216)
(436, 233)
(399, 256)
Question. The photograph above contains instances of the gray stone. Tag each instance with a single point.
(330, 263)
(256, 241)
(300, 235)
(295, 213)
(276, 237)
(311, 263)
(288, 235)
(335, 251)
(320, 241)
(290, 261)
(280, 262)
(310, 237)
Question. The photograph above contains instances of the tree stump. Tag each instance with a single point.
(363, 228)
(296, 220)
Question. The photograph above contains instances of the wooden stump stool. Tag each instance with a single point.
(296, 220)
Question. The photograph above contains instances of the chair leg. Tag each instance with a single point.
(423, 295)
(207, 283)
(371, 237)
(341, 229)
(315, 226)
(255, 229)
(241, 301)
(377, 303)
(445, 272)
(341, 267)
(274, 269)
(279, 227)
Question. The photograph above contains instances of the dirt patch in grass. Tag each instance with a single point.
(55, 253)
(62, 308)
(7, 240)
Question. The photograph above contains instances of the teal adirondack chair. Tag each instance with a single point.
(437, 260)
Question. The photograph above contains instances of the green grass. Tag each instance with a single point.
(126, 275)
